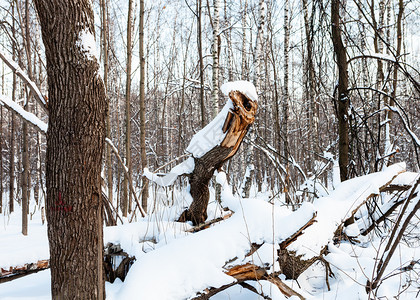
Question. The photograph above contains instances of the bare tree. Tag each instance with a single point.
(145, 192)
(341, 91)
(126, 201)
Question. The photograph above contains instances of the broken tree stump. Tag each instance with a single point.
(235, 127)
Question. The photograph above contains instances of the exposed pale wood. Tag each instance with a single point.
(284, 288)
(208, 224)
(20, 271)
(247, 272)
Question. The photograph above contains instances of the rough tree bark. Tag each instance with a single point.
(75, 144)
(215, 53)
(236, 126)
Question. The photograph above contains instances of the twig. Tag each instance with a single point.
(130, 184)
(392, 245)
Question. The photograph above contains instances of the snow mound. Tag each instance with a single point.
(195, 262)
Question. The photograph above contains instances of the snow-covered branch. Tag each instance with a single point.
(23, 114)
(19, 72)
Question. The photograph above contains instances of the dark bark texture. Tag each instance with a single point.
(75, 143)
(342, 99)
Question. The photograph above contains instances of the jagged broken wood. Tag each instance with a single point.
(19, 271)
(250, 272)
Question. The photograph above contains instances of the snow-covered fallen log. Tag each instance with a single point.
(200, 261)
(332, 213)
(15, 272)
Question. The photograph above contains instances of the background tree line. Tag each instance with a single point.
(326, 90)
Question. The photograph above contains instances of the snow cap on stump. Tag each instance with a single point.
(245, 87)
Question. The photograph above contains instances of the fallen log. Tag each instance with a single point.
(19, 271)
(308, 245)
(250, 272)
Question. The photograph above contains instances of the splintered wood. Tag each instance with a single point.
(238, 121)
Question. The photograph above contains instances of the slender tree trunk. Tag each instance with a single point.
(1, 143)
(257, 82)
(200, 58)
(145, 193)
(310, 84)
(75, 145)
(104, 11)
(397, 54)
(215, 52)
(342, 100)
(12, 125)
(1, 150)
(25, 143)
(285, 113)
(229, 50)
(244, 7)
(126, 201)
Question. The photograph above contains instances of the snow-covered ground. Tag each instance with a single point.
(172, 263)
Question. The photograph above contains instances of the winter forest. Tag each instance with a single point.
(209, 149)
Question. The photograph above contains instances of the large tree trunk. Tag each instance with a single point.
(236, 126)
(75, 143)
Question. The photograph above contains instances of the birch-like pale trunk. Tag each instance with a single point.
(215, 53)
(201, 62)
(285, 106)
